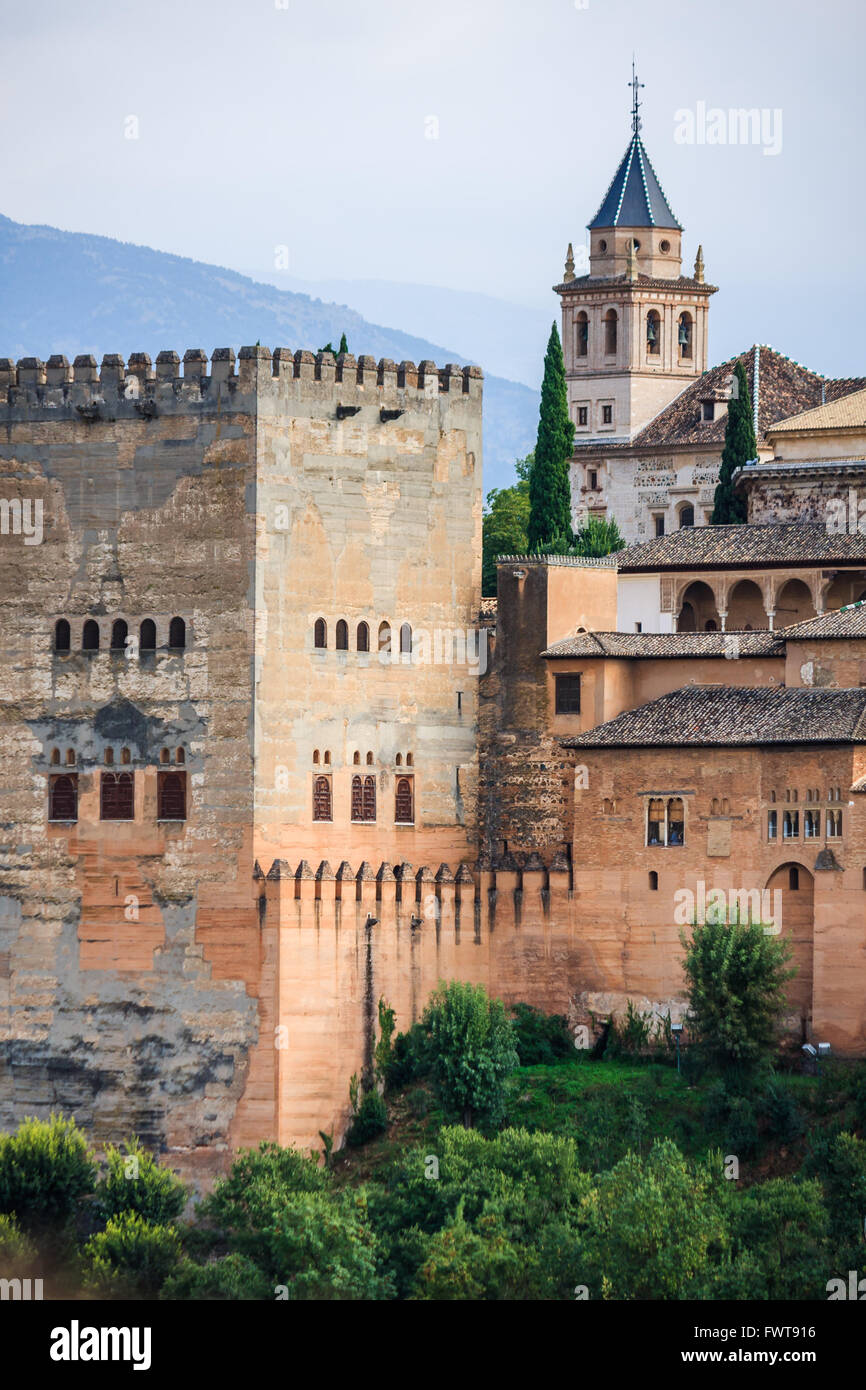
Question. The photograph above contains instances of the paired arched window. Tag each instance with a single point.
(363, 798)
(90, 636)
(653, 333)
(342, 635)
(322, 798)
(685, 329)
(581, 335)
(62, 635)
(791, 825)
(812, 825)
(320, 633)
(665, 821)
(610, 326)
(404, 809)
(834, 825)
(117, 796)
(362, 641)
(147, 636)
(177, 633)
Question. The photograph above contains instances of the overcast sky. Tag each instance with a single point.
(306, 125)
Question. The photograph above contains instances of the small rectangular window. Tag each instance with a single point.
(772, 825)
(568, 694)
(709, 409)
(593, 478)
(660, 525)
(582, 415)
(607, 414)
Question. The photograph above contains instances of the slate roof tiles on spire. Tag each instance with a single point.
(635, 197)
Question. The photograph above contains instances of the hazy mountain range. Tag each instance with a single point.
(70, 292)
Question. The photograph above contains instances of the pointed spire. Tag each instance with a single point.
(699, 266)
(569, 264)
(635, 103)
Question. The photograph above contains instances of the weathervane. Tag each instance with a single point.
(635, 103)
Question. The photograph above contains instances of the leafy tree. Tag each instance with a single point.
(504, 530)
(778, 1243)
(136, 1182)
(17, 1254)
(651, 1227)
(473, 1263)
(131, 1258)
(329, 347)
(740, 446)
(369, 1120)
(540, 1038)
(473, 1051)
(840, 1164)
(736, 975)
(598, 536)
(46, 1168)
(232, 1279)
(549, 487)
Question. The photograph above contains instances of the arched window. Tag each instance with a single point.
(655, 824)
(327, 757)
(405, 638)
(409, 760)
(124, 755)
(164, 755)
(70, 757)
(55, 756)
(147, 636)
(772, 796)
(676, 821)
(582, 335)
(714, 807)
(384, 637)
(710, 625)
(812, 825)
(610, 323)
(315, 755)
(794, 878)
(399, 760)
(403, 809)
(363, 638)
(63, 798)
(791, 825)
(118, 635)
(61, 635)
(320, 633)
(772, 825)
(90, 636)
(177, 633)
(369, 759)
(684, 334)
(369, 798)
(171, 796)
(117, 796)
(356, 758)
(834, 825)
(342, 635)
(726, 806)
(687, 515)
(357, 799)
(109, 757)
(653, 880)
(653, 333)
(322, 798)
(179, 755)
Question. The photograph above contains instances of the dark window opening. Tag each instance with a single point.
(708, 410)
(659, 525)
(592, 477)
(653, 880)
(322, 798)
(357, 799)
(567, 694)
(582, 334)
(118, 635)
(342, 636)
(583, 415)
(363, 642)
(687, 516)
(147, 636)
(90, 636)
(369, 798)
(61, 635)
(171, 795)
(63, 797)
(320, 633)
(607, 414)
(177, 633)
(117, 796)
(794, 878)
(610, 332)
(403, 809)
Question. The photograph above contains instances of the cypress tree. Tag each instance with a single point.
(740, 446)
(549, 489)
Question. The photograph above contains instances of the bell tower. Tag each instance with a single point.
(634, 330)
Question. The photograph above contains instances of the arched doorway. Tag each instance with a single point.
(793, 603)
(698, 607)
(746, 608)
(796, 886)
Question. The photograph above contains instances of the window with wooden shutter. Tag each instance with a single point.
(117, 796)
(322, 798)
(404, 809)
(171, 795)
(63, 798)
(369, 798)
(357, 799)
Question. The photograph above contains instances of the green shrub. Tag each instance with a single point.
(370, 1120)
(782, 1114)
(233, 1279)
(472, 1046)
(418, 1101)
(632, 1035)
(131, 1258)
(410, 1058)
(135, 1182)
(741, 1133)
(541, 1039)
(17, 1253)
(46, 1168)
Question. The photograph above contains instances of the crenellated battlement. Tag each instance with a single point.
(55, 383)
(414, 888)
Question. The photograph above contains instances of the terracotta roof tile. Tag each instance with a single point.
(840, 622)
(649, 645)
(732, 547)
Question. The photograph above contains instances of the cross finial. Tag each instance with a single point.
(635, 101)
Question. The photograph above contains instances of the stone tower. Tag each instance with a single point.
(634, 330)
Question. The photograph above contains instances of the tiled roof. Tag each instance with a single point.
(734, 547)
(729, 716)
(840, 622)
(847, 413)
(649, 282)
(648, 645)
(635, 197)
(784, 387)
